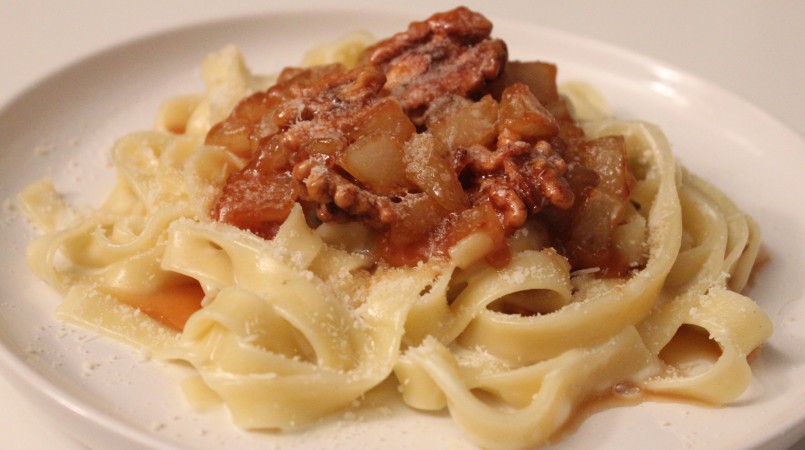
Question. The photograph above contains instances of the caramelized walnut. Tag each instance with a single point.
(520, 179)
(318, 181)
(450, 52)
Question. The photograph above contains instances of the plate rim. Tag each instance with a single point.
(18, 372)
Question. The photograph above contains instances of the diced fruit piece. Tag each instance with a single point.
(590, 241)
(388, 117)
(376, 160)
(540, 77)
(433, 174)
(232, 134)
(607, 156)
(255, 203)
(466, 125)
(522, 114)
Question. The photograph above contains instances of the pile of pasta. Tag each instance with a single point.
(293, 329)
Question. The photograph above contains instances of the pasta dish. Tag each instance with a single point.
(423, 210)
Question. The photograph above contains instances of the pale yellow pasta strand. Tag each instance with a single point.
(551, 389)
(86, 306)
(333, 345)
(736, 323)
(700, 265)
(744, 234)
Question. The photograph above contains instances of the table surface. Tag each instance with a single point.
(754, 49)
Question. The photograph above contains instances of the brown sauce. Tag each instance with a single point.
(171, 306)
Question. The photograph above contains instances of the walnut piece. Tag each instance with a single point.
(449, 53)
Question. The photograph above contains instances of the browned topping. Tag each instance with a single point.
(309, 113)
(337, 197)
(519, 179)
(448, 53)
(401, 145)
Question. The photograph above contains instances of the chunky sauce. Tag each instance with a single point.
(433, 136)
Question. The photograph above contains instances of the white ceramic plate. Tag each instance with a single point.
(107, 395)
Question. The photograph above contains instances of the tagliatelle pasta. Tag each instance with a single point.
(288, 330)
